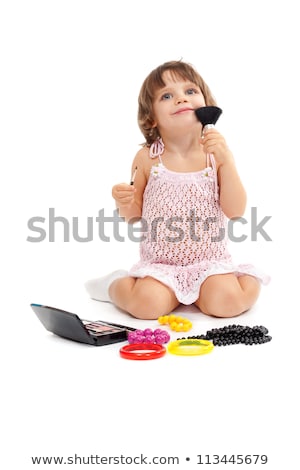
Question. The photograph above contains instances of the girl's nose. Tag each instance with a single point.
(180, 99)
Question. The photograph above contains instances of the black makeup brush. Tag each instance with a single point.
(208, 115)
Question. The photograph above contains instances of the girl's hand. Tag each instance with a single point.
(213, 142)
(123, 194)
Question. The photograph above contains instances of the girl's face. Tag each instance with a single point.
(174, 105)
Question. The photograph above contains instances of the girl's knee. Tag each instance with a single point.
(150, 301)
(225, 304)
(145, 308)
(227, 296)
(229, 309)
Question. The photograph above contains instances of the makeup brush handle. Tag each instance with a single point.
(207, 126)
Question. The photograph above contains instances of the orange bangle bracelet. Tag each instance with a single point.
(142, 351)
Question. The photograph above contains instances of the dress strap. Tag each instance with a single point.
(211, 159)
(157, 148)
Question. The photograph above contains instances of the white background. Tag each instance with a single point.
(70, 75)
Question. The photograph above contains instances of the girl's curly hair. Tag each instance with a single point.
(154, 82)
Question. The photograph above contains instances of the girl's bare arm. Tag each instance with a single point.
(129, 197)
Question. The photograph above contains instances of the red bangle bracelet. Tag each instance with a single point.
(135, 351)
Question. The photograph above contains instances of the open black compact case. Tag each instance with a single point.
(70, 326)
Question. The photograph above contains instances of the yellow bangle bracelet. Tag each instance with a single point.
(190, 347)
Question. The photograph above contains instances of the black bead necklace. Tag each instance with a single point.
(235, 334)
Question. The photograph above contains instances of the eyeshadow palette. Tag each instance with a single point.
(69, 325)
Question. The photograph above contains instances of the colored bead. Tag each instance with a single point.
(149, 339)
(159, 339)
(148, 336)
(162, 338)
(186, 327)
(131, 336)
(236, 334)
(177, 323)
(148, 331)
(139, 332)
(158, 331)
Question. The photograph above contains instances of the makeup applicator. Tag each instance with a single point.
(208, 115)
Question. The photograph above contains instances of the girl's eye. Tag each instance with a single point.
(166, 96)
(191, 91)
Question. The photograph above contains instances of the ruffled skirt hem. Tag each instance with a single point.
(186, 281)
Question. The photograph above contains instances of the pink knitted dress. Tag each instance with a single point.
(184, 238)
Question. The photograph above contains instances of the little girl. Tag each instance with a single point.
(185, 189)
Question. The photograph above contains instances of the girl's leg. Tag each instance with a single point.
(226, 295)
(144, 298)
